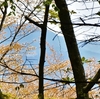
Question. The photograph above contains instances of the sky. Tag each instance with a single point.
(83, 10)
(58, 43)
(88, 51)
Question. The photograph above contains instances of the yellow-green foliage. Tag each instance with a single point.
(6, 96)
(53, 14)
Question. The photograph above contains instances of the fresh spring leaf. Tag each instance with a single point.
(11, 13)
(13, 7)
(67, 79)
(99, 61)
(38, 7)
(11, 1)
(47, 2)
(89, 79)
(68, 69)
(55, 7)
(72, 12)
(53, 14)
(84, 60)
(4, 4)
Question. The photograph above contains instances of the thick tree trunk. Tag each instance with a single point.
(74, 55)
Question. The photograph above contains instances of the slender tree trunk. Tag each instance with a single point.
(74, 55)
(42, 55)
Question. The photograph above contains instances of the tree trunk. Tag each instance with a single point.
(74, 55)
(42, 55)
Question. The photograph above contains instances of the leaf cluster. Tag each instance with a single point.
(84, 60)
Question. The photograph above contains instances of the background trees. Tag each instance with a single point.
(20, 77)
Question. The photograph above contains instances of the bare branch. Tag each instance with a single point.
(92, 82)
(32, 21)
(4, 15)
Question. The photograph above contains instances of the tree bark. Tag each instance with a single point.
(92, 82)
(74, 55)
(42, 49)
(42, 55)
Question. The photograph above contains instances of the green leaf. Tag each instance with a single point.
(53, 5)
(11, 13)
(83, 58)
(87, 61)
(11, 1)
(89, 79)
(68, 69)
(72, 12)
(56, 9)
(99, 61)
(4, 4)
(47, 2)
(38, 7)
(13, 7)
(53, 14)
(67, 79)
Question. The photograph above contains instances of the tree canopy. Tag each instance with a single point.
(51, 76)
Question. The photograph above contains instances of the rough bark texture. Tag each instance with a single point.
(74, 55)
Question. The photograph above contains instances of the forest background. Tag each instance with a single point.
(40, 46)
